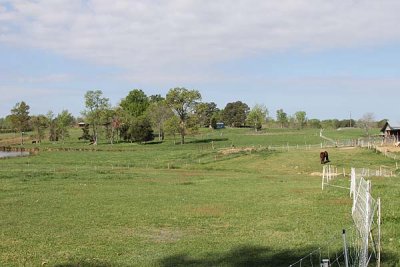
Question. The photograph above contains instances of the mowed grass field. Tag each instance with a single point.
(211, 202)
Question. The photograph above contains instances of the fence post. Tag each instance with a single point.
(378, 264)
(346, 259)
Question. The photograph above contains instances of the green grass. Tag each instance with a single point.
(191, 205)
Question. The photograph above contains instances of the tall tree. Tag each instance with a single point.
(39, 124)
(281, 117)
(367, 122)
(301, 118)
(314, 123)
(5, 124)
(159, 112)
(172, 126)
(20, 118)
(136, 103)
(96, 104)
(183, 101)
(330, 123)
(205, 112)
(257, 116)
(140, 130)
(156, 98)
(113, 121)
(53, 134)
(64, 121)
(235, 113)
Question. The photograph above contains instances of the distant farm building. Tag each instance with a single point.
(82, 124)
(220, 125)
(390, 131)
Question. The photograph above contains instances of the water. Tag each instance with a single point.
(4, 154)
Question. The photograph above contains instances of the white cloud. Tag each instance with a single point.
(155, 35)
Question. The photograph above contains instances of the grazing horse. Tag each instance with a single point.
(324, 157)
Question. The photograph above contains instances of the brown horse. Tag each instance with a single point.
(324, 157)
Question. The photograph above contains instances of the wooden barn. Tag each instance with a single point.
(391, 131)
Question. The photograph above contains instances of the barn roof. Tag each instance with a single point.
(392, 128)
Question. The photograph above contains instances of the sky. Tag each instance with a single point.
(332, 59)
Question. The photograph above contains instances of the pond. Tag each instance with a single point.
(10, 154)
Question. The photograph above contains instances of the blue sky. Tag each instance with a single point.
(328, 58)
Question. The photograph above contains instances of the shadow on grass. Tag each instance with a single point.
(152, 143)
(259, 256)
(240, 256)
(390, 259)
(208, 140)
(85, 263)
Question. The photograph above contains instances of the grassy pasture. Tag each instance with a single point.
(162, 204)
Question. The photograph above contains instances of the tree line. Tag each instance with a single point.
(179, 113)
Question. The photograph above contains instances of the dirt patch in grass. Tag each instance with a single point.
(163, 235)
(271, 134)
(207, 210)
(234, 150)
(340, 201)
(390, 148)
(316, 174)
(301, 191)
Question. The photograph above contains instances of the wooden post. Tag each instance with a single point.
(378, 257)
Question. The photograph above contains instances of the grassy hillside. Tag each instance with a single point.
(222, 199)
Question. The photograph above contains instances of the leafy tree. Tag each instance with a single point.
(156, 98)
(96, 105)
(257, 116)
(85, 133)
(114, 119)
(367, 122)
(136, 103)
(63, 121)
(137, 130)
(282, 117)
(213, 122)
(53, 132)
(235, 113)
(20, 118)
(217, 117)
(334, 124)
(205, 113)
(39, 124)
(159, 112)
(182, 101)
(5, 124)
(172, 126)
(140, 130)
(301, 119)
(347, 123)
(314, 123)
